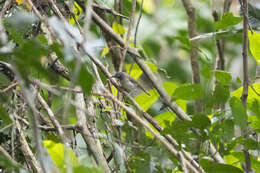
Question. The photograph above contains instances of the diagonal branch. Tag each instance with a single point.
(141, 63)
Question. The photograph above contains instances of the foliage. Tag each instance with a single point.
(67, 60)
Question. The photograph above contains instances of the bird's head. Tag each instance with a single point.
(119, 75)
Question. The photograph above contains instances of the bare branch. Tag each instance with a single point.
(244, 5)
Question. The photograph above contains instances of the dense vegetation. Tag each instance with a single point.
(62, 110)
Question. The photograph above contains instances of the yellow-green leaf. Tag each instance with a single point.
(254, 45)
(136, 72)
(152, 66)
(119, 29)
(19, 2)
(104, 51)
(251, 94)
(146, 101)
(148, 6)
(56, 151)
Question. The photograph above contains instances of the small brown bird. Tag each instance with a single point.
(128, 83)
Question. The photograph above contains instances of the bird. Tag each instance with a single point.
(128, 83)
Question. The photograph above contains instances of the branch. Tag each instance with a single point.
(244, 5)
(53, 120)
(6, 154)
(137, 58)
(192, 28)
(121, 65)
(146, 126)
(92, 142)
(148, 117)
(27, 152)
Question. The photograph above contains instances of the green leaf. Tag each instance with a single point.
(188, 92)
(252, 96)
(184, 40)
(56, 151)
(227, 20)
(221, 94)
(119, 29)
(152, 66)
(212, 167)
(152, 47)
(7, 164)
(84, 169)
(148, 6)
(249, 143)
(136, 72)
(4, 116)
(178, 129)
(254, 163)
(223, 77)
(85, 80)
(146, 101)
(200, 121)
(166, 116)
(256, 108)
(57, 48)
(228, 130)
(238, 112)
(27, 57)
(206, 71)
(254, 44)
(170, 87)
(254, 123)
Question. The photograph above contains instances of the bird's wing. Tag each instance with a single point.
(137, 83)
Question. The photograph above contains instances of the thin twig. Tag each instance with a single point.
(53, 120)
(13, 85)
(254, 90)
(29, 156)
(128, 36)
(147, 71)
(145, 125)
(138, 21)
(6, 154)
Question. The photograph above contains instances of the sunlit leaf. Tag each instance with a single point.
(254, 44)
(152, 66)
(166, 116)
(135, 72)
(104, 51)
(146, 101)
(254, 163)
(254, 123)
(119, 29)
(170, 87)
(231, 160)
(148, 6)
(56, 151)
(19, 2)
(227, 20)
(252, 95)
